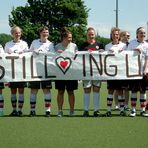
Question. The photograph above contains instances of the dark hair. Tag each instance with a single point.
(64, 33)
(138, 30)
(90, 28)
(43, 28)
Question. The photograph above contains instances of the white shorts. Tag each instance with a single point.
(89, 83)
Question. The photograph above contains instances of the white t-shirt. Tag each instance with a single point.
(115, 48)
(16, 47)
(1, 49)
(142, 46)
(71, 47)
(135, 44)
(38, 46)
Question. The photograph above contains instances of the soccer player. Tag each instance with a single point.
(69, 85)
(115, 46)
(91, 45)
(124, 37)
(41, 45)
(1, 87)
(140, 45)
(18, 46)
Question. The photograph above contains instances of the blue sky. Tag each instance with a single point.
(132, 14)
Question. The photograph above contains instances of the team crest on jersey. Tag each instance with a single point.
(63, 63)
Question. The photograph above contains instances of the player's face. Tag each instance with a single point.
(44, 34)
(141, 35)
(17, 34)
(91, 35)
(115, 36)
(126, 37)
(68, 39)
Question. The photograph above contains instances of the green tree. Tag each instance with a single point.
(4, 38)
(103, 40)
(52, 13)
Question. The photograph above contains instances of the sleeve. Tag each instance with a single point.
(129, 47)
(146, 53)
(6, 49)
(76, 48)
(26, 49)
(31, 47)
(56, 48)
(51, 48)
(125, 47)
(106, 47)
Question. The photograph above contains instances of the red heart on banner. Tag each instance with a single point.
(63, 63)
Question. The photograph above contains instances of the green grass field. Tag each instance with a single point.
(70, 132)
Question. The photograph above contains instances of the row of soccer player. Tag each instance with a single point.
(117, 88)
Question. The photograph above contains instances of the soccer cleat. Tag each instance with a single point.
(108, 114)
(71, 114)
(13, 113)
(122, 113)
(86, 113)
(132, 114)
(32, 113)
(143, 114)
(60, 114)
(96, 113)
(47, 114)
(19, 113)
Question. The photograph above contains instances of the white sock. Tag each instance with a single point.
(33, 101)
(13, 97)
(47, 96)
(86, 101)
(96, 100)
(21, 97)
(33, 98)
(20, 102)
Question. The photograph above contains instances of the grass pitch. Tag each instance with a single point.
(70, 132)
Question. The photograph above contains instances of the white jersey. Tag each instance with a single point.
(1, 49)
(142, 46)
(38, 46)
(71, 47)
(115, 48)
(16, 47)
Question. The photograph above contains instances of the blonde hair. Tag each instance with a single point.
(112, 30)
(14, 28)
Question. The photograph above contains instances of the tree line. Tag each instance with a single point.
(55, 14)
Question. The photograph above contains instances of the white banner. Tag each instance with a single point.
(67, 66)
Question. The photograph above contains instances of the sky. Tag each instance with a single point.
(102, 16)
